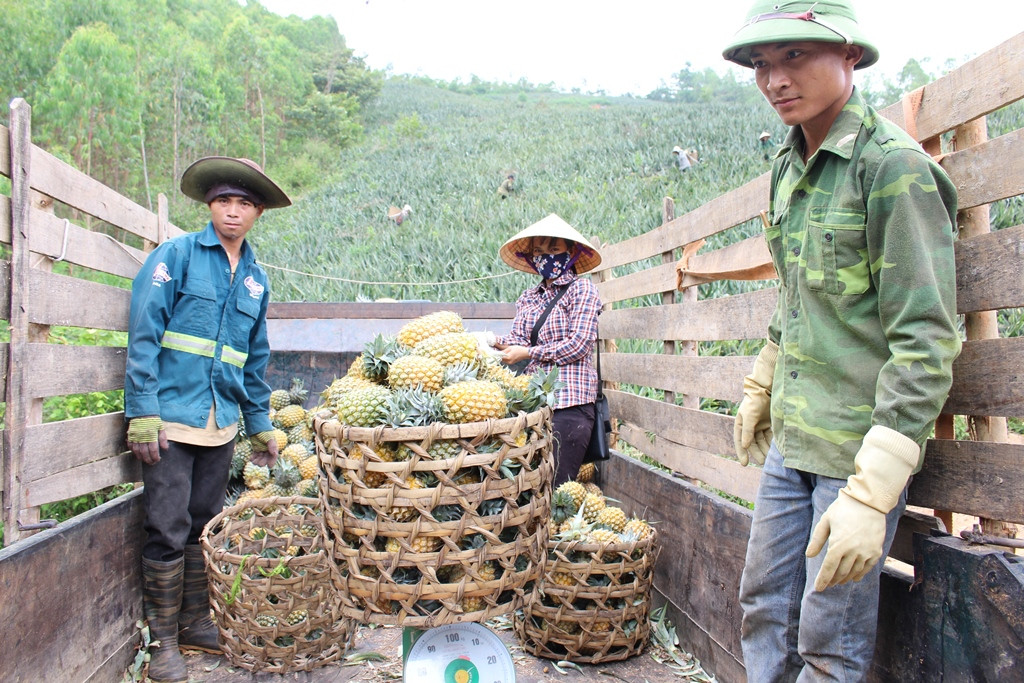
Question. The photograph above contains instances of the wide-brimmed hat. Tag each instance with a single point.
(517, 249)
(208, 172)
(771, 21)
(764, 135)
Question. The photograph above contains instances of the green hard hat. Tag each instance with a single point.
(772, 21)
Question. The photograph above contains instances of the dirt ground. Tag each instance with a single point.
(387, 641)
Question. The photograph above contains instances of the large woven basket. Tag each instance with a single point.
(593, 603)
(466, 547)
(270, 580)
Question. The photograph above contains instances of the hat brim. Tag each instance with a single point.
(209, 171)
(549, 226)
(771, 31)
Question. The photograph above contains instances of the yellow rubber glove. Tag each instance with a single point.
(144, 429)
(752, 431)
(854, 524)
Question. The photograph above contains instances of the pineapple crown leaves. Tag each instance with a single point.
(297, 393)
(413, 407)
(543, 389)
(460, 372)
(378, 355)
(285, 473)
(563, 506)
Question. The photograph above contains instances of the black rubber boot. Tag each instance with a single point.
(196, 629)
(161, 600)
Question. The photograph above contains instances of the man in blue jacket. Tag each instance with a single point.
(197, 353)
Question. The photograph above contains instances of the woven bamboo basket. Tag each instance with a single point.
(270, 580)
(465, 546)
(600, 609)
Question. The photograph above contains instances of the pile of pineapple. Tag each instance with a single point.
(296, 472)
(595, 590)
(432, 371)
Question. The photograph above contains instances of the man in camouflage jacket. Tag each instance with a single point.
(860, 348)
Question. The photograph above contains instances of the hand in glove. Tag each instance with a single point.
(264, 448)
(854, 524)
(146, 436)
(752, 430)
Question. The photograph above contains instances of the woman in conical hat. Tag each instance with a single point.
(559, 254)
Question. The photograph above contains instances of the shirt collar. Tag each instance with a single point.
(208, 238)
(560, 281)
(842, 136)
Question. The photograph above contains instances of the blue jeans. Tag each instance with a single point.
(789, 631)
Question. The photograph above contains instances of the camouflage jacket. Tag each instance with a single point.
(862, 239)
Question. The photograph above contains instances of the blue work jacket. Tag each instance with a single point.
(197, 337)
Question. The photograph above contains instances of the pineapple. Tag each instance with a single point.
(601, 537)
(301, 433)
(591, 487)
(356, 369)
(562, 579)
(240, 457)
(473, 401)
(279, 398)
(586, 473)
(638, 527)
(592, 506)
(574, 489)
(342, 386)
(613, 518)
(415, 370)
(407, 514)
(363, 407)
(308, 488)
(255, 476)
(452, 348)
(373, 479)
(563, 506)
(286, 476)
(419, 544)
(290, 415)
(296, 617)
(308, 468)
(266, 620)
(295, 453)
(429, 325)
(296, 394)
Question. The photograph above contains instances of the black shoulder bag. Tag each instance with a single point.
(520, 367)
(597, 449)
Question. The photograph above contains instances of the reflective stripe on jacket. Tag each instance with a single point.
(197, 337)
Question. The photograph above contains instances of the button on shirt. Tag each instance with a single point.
(567, 337)
(862, 239)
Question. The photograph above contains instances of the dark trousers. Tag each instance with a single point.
(182, 493)
(572, 427)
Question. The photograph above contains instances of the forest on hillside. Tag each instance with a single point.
(132, 91)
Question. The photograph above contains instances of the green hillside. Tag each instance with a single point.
(603, 164)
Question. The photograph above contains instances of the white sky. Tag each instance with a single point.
(626, 47)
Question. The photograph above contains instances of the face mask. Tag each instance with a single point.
(550, 266)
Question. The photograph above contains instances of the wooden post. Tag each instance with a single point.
(606, 345)
(983, 324)
(668, 213)
(18, 406)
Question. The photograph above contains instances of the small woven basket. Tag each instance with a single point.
(593, 603)
(270, 581)
(436, 541)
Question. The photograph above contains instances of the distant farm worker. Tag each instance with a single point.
(507, 186)
(764, 141)
(565, 338)
(681, 158)
(860, 348)
(197, 352)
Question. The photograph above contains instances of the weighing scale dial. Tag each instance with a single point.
(459, 653)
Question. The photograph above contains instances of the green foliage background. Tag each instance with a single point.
(132, 91)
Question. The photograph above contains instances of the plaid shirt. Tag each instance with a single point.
(567, 337)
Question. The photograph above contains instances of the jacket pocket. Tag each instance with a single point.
(196, 311)
(835, 248)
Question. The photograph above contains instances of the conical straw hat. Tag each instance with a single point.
(550, 226)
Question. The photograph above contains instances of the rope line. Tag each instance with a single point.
(398, 284)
